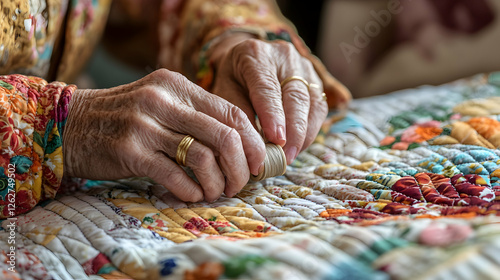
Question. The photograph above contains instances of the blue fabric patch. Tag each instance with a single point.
(347, 123)
(348, 270)
(22, 164)
(167, 266)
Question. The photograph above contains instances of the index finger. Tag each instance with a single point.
(255, 69)
(232, 116)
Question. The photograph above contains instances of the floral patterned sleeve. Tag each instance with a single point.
(33, 113)
(51, 39)
(188, 28)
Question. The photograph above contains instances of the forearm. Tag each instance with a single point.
(194, 24)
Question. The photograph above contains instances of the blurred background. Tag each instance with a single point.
(372, 46)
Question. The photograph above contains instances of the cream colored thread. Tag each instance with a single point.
(274, 163)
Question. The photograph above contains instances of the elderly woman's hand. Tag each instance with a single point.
(249, 73)
(135, 129)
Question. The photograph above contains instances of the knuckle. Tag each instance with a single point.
(319, 107)
(230, 141)
(155, 76)
(236, 116)
(177, 80)
(203, 158)
(244, 61)
(262, 152)
(237, 119)
(128, 148)
(249, 45)
(133, 120)
(290, 47)
(267, 80)
(173, 81)
(175, 179)
(177, 76)
(307, 63)
(148, 92)
(212, 190)
(300, 125)
(281, 43)
(298, 95)
(285, 47)
(249, 54)
(238, 181)
(161, 73)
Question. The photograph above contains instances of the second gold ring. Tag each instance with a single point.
(323, 95)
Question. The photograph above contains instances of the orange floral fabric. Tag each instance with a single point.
(488, 128)
(32, 117)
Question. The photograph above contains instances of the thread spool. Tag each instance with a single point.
(274, 163)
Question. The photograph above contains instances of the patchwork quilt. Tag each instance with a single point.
(403, 186)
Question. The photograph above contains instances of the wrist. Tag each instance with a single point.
(214, 51)
(70, 137)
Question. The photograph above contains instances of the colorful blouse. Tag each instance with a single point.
(52, 39)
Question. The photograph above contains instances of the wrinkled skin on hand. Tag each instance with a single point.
(134, 130)
(249, 75)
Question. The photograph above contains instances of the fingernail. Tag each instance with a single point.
(199, 199)
(215, 200)
(281, 133)
(261, 168)
(291, 153)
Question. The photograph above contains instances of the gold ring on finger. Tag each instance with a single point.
(323, 95)
(293, 78)
(182, 150)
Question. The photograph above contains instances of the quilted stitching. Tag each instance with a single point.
(347, 208)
